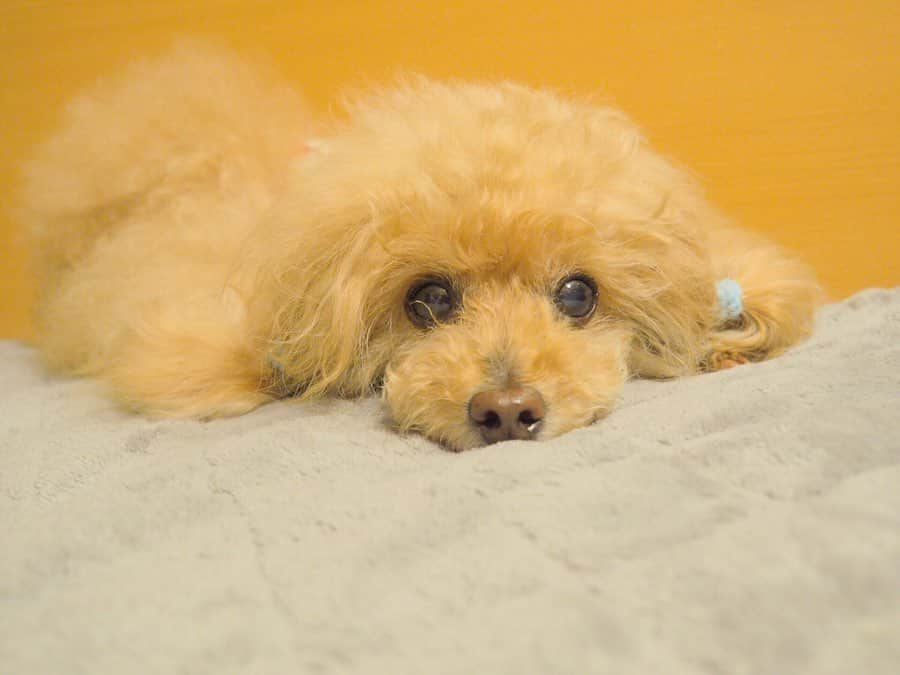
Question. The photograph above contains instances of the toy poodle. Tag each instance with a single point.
(495, 260)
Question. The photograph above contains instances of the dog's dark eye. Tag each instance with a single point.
(576, 296)
(430, 303)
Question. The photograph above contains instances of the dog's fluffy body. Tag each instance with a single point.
(201, 255)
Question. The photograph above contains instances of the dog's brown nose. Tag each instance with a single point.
(505, 414)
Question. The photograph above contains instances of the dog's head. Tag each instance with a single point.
(498, 258)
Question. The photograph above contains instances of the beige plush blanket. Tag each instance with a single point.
(741, 522)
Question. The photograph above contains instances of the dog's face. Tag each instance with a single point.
(499, 259)
(504, 332)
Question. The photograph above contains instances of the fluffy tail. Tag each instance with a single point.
(138, 210)
(196, 120)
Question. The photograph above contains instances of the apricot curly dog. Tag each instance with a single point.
(493, 258)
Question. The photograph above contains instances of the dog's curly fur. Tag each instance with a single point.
(193, 255)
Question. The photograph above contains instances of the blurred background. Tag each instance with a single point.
(789, 111)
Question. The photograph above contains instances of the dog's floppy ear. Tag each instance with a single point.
(678, 321)
(659, 283)
(316, 300)
(779, 297)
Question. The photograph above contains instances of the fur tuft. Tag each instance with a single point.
(780, 295)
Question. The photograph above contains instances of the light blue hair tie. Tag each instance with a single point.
(731, 299)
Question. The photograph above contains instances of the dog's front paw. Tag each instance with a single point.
(725, 360)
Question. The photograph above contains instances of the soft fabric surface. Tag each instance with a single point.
(746, 521)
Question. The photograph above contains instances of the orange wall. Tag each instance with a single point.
(788, 109)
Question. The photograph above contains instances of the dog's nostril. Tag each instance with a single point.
(503, 414)
(491, 420)
(527, 418)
